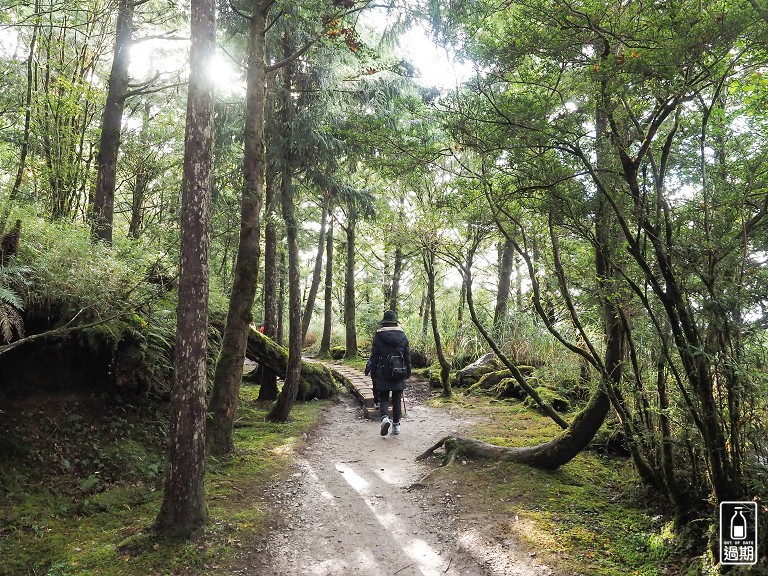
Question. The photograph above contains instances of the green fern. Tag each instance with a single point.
(10, 298)
(11, 304)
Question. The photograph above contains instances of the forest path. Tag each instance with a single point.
(354, 506)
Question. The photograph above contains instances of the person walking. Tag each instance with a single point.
(390, 364)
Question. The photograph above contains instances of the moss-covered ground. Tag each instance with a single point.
(588, 517)
(81, 484)
(81, 488)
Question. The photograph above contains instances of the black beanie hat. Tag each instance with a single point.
(389, 317)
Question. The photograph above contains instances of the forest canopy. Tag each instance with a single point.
(588, 200)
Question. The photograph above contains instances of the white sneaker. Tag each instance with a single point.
(396, 428)
(385, 426)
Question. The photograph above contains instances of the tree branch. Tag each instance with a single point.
(58, 332)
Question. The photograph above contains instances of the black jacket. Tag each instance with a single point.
(386, 339)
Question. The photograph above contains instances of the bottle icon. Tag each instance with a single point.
(738, 525)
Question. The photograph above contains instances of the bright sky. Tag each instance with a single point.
(436, 67)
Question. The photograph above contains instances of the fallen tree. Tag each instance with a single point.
(317, 380)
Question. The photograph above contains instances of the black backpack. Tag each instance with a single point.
(393, 367)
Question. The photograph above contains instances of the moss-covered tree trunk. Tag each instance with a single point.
(267, 378)
(506, 263)
(553, 454)
(317, 381)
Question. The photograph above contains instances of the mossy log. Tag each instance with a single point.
(317, 380)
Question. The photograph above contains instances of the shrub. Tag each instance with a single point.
(419, 358)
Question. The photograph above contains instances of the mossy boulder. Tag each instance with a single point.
(472, 374)
(501, 383)
(509, 388)
(489, 381)
(558, 401)
(338, 352)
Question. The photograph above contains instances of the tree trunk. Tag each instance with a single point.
(267, 377)
(280, 336)
(24, 149)
(397, 270)
(518, 283)
(316, 273)
(349, 290)
(285, 399)
(316, 381)
(677, 496)
(137, 203)
(506, 265)
(183, 509)
(445, 367)
(460, 311)
(424, 312)
(229, 369)
(325, 342)
(111, 123)
(140, 184)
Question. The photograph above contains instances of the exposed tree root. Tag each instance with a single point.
(549, 455)
(456, 446)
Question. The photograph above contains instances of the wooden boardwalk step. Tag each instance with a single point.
(359, 385)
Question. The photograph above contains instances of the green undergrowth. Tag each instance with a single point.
(76, 521)
(588, 517)
(356, 363)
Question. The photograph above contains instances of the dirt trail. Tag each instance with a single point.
(354, 506)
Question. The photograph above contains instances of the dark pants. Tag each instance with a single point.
(397, 404)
